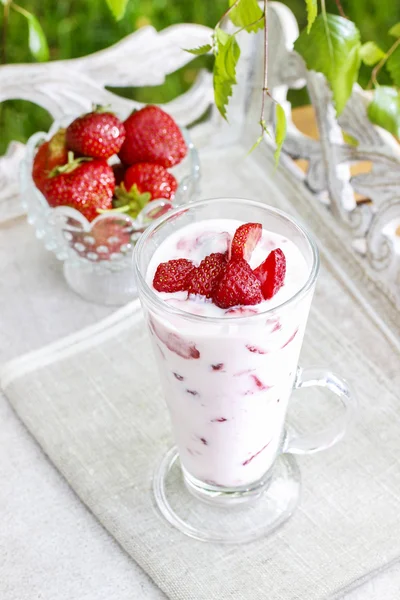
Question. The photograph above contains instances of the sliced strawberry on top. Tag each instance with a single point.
(173, 276)
(271, 273)
(204, 279)
(237, 286)
(245, 240)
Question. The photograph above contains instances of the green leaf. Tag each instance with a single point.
(312, 10)
(117, 8)
(371, 53)
(227, 54)
(258, 141)
(393, 66)
(37, 39)
(384, 110)
(336, 55)
(395, 30)
(256, 144)
(280, 130)
(200, 50)
(247, 14)
(349, 139)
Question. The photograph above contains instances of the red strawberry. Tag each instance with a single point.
(172, 276)
(245, 240)
(151, 178)
(271, 273)
(152, 136)
(98, 134)
(238, 285)
(87, 185)
(107, 236)
(174, 342)
(112, 234)
(204, 279)
(50, 154)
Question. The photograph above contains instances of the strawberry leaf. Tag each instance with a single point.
(384, 110)
(200, 50)
(333, 48)
(371, 54)
(395, 30)
(312, 10)
(117, 7)
(227, 54)
(131, 202)
(349, 139)
(280, 130)
(393, 66)
(247, 15)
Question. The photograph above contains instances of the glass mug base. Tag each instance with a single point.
(212, 515)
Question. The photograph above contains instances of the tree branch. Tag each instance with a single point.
(340, 9)
(265, 81)
(378, 67)
(6, 14)
(226, 13)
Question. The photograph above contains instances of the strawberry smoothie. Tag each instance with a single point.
(228, 369)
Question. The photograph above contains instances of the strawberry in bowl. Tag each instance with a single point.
(94, 182)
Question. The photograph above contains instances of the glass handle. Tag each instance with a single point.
(297, 443)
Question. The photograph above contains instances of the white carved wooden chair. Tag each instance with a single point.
(361, 236)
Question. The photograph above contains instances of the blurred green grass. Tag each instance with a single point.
(79, 27)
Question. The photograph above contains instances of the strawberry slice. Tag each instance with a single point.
(204, 279)
(238, 285)
(173, 275)
(245, 240)
(174, 342)
(271, 273)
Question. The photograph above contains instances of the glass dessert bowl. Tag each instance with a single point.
(96, 255)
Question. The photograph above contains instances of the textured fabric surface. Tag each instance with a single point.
(51, 546)
(94, 405)
(69, 555)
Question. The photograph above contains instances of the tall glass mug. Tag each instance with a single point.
(227, 383)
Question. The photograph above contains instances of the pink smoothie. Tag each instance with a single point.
(228, 373)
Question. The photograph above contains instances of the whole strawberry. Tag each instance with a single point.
(98, 134)
(84, 184)
(151, 178)
(152, 136)
(107, 236)
(49, 155)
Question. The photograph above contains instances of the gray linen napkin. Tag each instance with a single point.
(93, 403)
